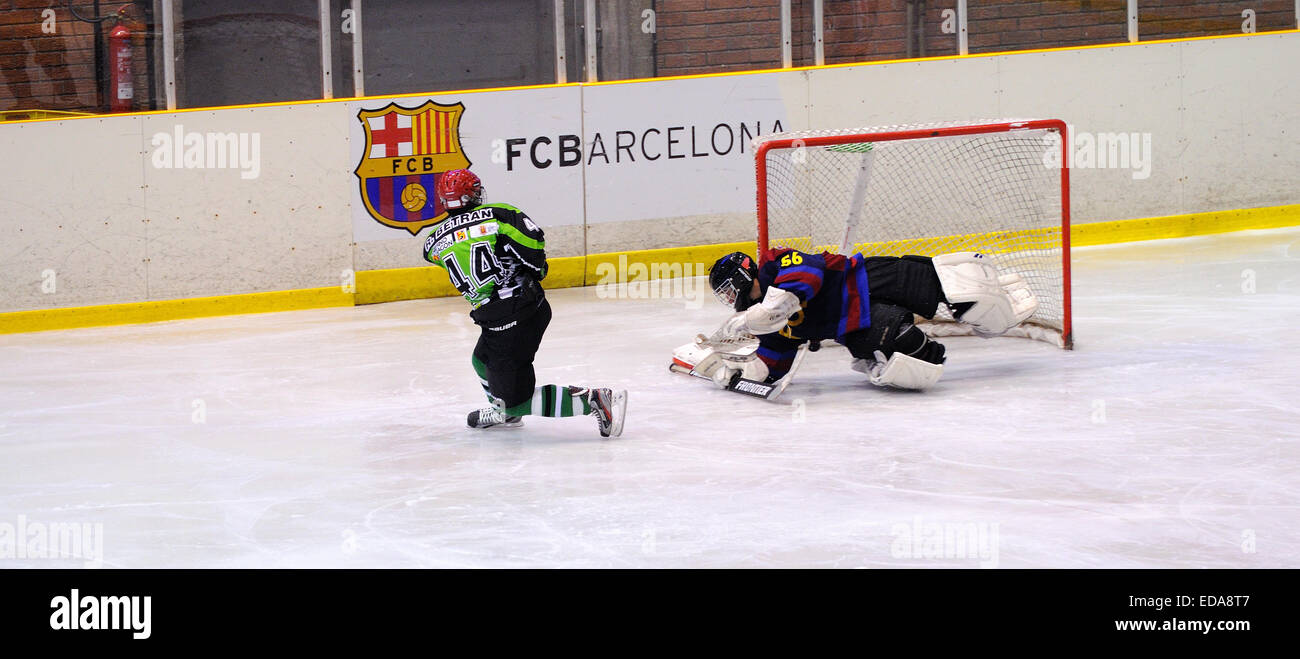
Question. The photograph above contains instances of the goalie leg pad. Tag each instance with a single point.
(900, 371)
(990, 303)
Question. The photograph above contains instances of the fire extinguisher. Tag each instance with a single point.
(120, 81)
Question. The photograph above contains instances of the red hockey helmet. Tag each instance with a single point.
(459, 188)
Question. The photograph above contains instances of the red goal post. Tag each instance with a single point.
(1001, 188)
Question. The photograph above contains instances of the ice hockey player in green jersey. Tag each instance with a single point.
(496, 257)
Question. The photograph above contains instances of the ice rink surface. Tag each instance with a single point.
(336, 438)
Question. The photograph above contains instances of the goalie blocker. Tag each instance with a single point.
(866, 304)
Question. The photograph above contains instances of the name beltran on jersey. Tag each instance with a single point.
(455, 230)
(459, 221)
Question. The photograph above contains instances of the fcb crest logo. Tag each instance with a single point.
(406, 150)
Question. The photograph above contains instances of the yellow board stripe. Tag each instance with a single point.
(374, 286)
(601, 266)
(155, 311)
(402, 284)
(1183, 226)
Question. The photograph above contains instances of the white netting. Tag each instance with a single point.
(997, 193)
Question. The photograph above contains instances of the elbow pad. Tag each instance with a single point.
(773, 313)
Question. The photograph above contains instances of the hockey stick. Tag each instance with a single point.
(769, 391)
(859, 190)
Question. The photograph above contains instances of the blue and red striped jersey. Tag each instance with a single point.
(832, 290)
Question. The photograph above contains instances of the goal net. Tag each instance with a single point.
(999, 188)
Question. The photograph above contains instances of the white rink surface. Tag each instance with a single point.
(335, 438)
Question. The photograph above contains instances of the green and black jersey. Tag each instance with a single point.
(491, 252)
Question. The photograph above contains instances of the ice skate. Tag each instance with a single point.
(491, 417)
(609, 406)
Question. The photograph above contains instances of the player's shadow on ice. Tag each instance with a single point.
(982, 372)
(1001, 370)
(531, 434)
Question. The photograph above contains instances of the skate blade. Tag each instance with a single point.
(618, 407)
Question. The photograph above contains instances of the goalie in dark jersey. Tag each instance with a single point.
(865, 303)
(496, 257)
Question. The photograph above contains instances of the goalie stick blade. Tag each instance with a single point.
(738, 385)
(753, 388)
(785, 381)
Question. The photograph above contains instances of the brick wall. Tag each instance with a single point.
(701, 36)
(1172, 19)
(1007, 25)
(56, 70)
(694, 36)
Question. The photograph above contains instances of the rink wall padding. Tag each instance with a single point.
(377, 286)
(1183, 226)
(173, 211)
(151, 312)
(392, 285)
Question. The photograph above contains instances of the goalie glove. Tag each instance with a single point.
(719, 366)
(764, 318)
(703, 359)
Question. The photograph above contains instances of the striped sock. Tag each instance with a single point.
(555, 401)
